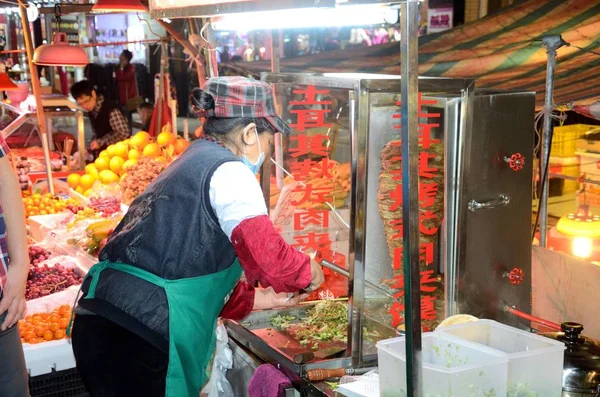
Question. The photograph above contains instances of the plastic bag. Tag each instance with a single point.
(218, 385)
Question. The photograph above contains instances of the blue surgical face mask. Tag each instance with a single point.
(254, 167)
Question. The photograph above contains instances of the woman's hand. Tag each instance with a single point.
(267, 298)
(318, 278)
(13, 299)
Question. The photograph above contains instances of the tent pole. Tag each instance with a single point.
(409, 62)
(36, 88)
(552, 43)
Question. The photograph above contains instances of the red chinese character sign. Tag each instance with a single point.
(431, 204)
(320, 184)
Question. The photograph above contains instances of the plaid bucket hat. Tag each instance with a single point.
(242, 97)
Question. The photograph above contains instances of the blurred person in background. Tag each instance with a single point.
(127, 84)
(108, 122)
(14, 268)
(146, 110)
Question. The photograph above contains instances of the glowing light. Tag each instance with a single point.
(582, 247)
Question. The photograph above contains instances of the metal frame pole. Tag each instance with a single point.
(409, 52)
(552, 43)
(35, 87)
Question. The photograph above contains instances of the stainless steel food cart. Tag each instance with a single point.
(487, 141)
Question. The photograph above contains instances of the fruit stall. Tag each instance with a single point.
(66, 231)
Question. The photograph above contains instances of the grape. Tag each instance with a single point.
(37, 254)
(45, 280)
(107, 206)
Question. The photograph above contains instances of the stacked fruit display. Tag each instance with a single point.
(38, 204)
(139, 177)
(113, 164)
(44, 327)
(44, 280)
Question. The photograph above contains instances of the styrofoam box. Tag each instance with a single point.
(535, 363)
(452, 367)
(44, 358)
(40, 226)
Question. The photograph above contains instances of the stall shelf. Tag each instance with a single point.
(54, 107)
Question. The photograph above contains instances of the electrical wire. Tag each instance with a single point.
(583, 49)
(148, 23)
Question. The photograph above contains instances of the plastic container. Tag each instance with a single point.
(535, 363)
(564, 139)
(451, 368)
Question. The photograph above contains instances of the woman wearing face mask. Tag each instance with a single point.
(145, 323)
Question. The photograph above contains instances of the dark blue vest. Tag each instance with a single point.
(170, 230)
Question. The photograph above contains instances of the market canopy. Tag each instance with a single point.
(502, 51)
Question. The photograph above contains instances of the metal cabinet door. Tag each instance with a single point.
(495, 256)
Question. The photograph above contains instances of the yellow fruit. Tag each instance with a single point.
(152, 150)
(123, 177)
(116, 164)
(92, 170)
(165, 139)
(86, 182)
(126, 142)
(129, 163)
(162, 160)
(181, 145)
(73, 180)
(140, 140)
(79, 190)
(134, 154)
(111, 150)
(121, 150)
(103, 153)
(102, 163)
(107, 176)
(87, 193)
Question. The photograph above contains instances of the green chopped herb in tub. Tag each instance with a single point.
(282, 321)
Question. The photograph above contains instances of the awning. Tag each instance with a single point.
(503, 51)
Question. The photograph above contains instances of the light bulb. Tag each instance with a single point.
(582, 247)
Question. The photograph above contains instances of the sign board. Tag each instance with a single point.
(439, 19)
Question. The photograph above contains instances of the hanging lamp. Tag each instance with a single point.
(60, 52)
(119, 6)
(6, 83)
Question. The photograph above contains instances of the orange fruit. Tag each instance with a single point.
(103, 153)
(116, 164)
(73, 180)
(63, 323)
(102, 163)
(39, 331)
(121, 150)
(152, 150)
(139, 140)
(64, 309)
(48, 335)
(134, 154)
(162, 160)
(107, 176)
(181, 145)
(60, 334)
(86, 182)
(29, 336)
(53, 318)
(88, 193)
(165, 139)
(54, 327)
(92, 170)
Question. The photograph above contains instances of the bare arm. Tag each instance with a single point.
(13, 298)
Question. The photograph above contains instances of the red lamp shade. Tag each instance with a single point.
(60, 53)
(119, 6)
(6, 83)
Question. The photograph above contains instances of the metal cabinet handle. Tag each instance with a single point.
(501, 201)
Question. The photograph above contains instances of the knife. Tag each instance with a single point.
(330, 352)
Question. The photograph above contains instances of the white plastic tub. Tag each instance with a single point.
(535, 363)
(451, 368)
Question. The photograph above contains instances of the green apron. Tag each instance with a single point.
(194, 306)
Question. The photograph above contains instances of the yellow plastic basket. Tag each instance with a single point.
(564, 138)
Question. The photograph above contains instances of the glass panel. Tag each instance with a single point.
(383, 315)
(310, 184)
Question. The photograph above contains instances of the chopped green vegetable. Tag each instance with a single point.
(281, 321)
(333, 385)
(326, 321)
